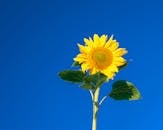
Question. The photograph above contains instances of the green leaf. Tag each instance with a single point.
(95, 80)
(75, 64)
(86, 85)
(74, 76)
(123, 66)
(124, 90)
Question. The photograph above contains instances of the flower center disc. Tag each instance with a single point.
(102, 57)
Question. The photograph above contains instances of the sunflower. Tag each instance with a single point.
(101, 55)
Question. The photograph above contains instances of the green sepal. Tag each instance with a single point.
(86, 84)
(74, 76)
(75, 63)
(123, 66)
(94, 81)
(124, 90)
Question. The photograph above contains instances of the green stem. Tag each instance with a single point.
(95, 108)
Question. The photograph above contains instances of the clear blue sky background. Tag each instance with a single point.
(38, 39)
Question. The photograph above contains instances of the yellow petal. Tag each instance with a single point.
(80, 58)
(112, 44)
(87, 42)
(96, 40)
(109, 41)
(119, 61)
(96, 37)
(93, 70)
(113, 68)
(84, 67)
(120, 52)
(108, 73)
(103, 39)
(82, 48)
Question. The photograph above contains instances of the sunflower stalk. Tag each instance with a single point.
(95, 108)
(96, 104)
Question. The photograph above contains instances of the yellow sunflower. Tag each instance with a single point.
(101, 55)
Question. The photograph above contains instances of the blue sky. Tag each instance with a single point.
(38, 39)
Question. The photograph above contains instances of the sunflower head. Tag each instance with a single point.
(101, 54)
